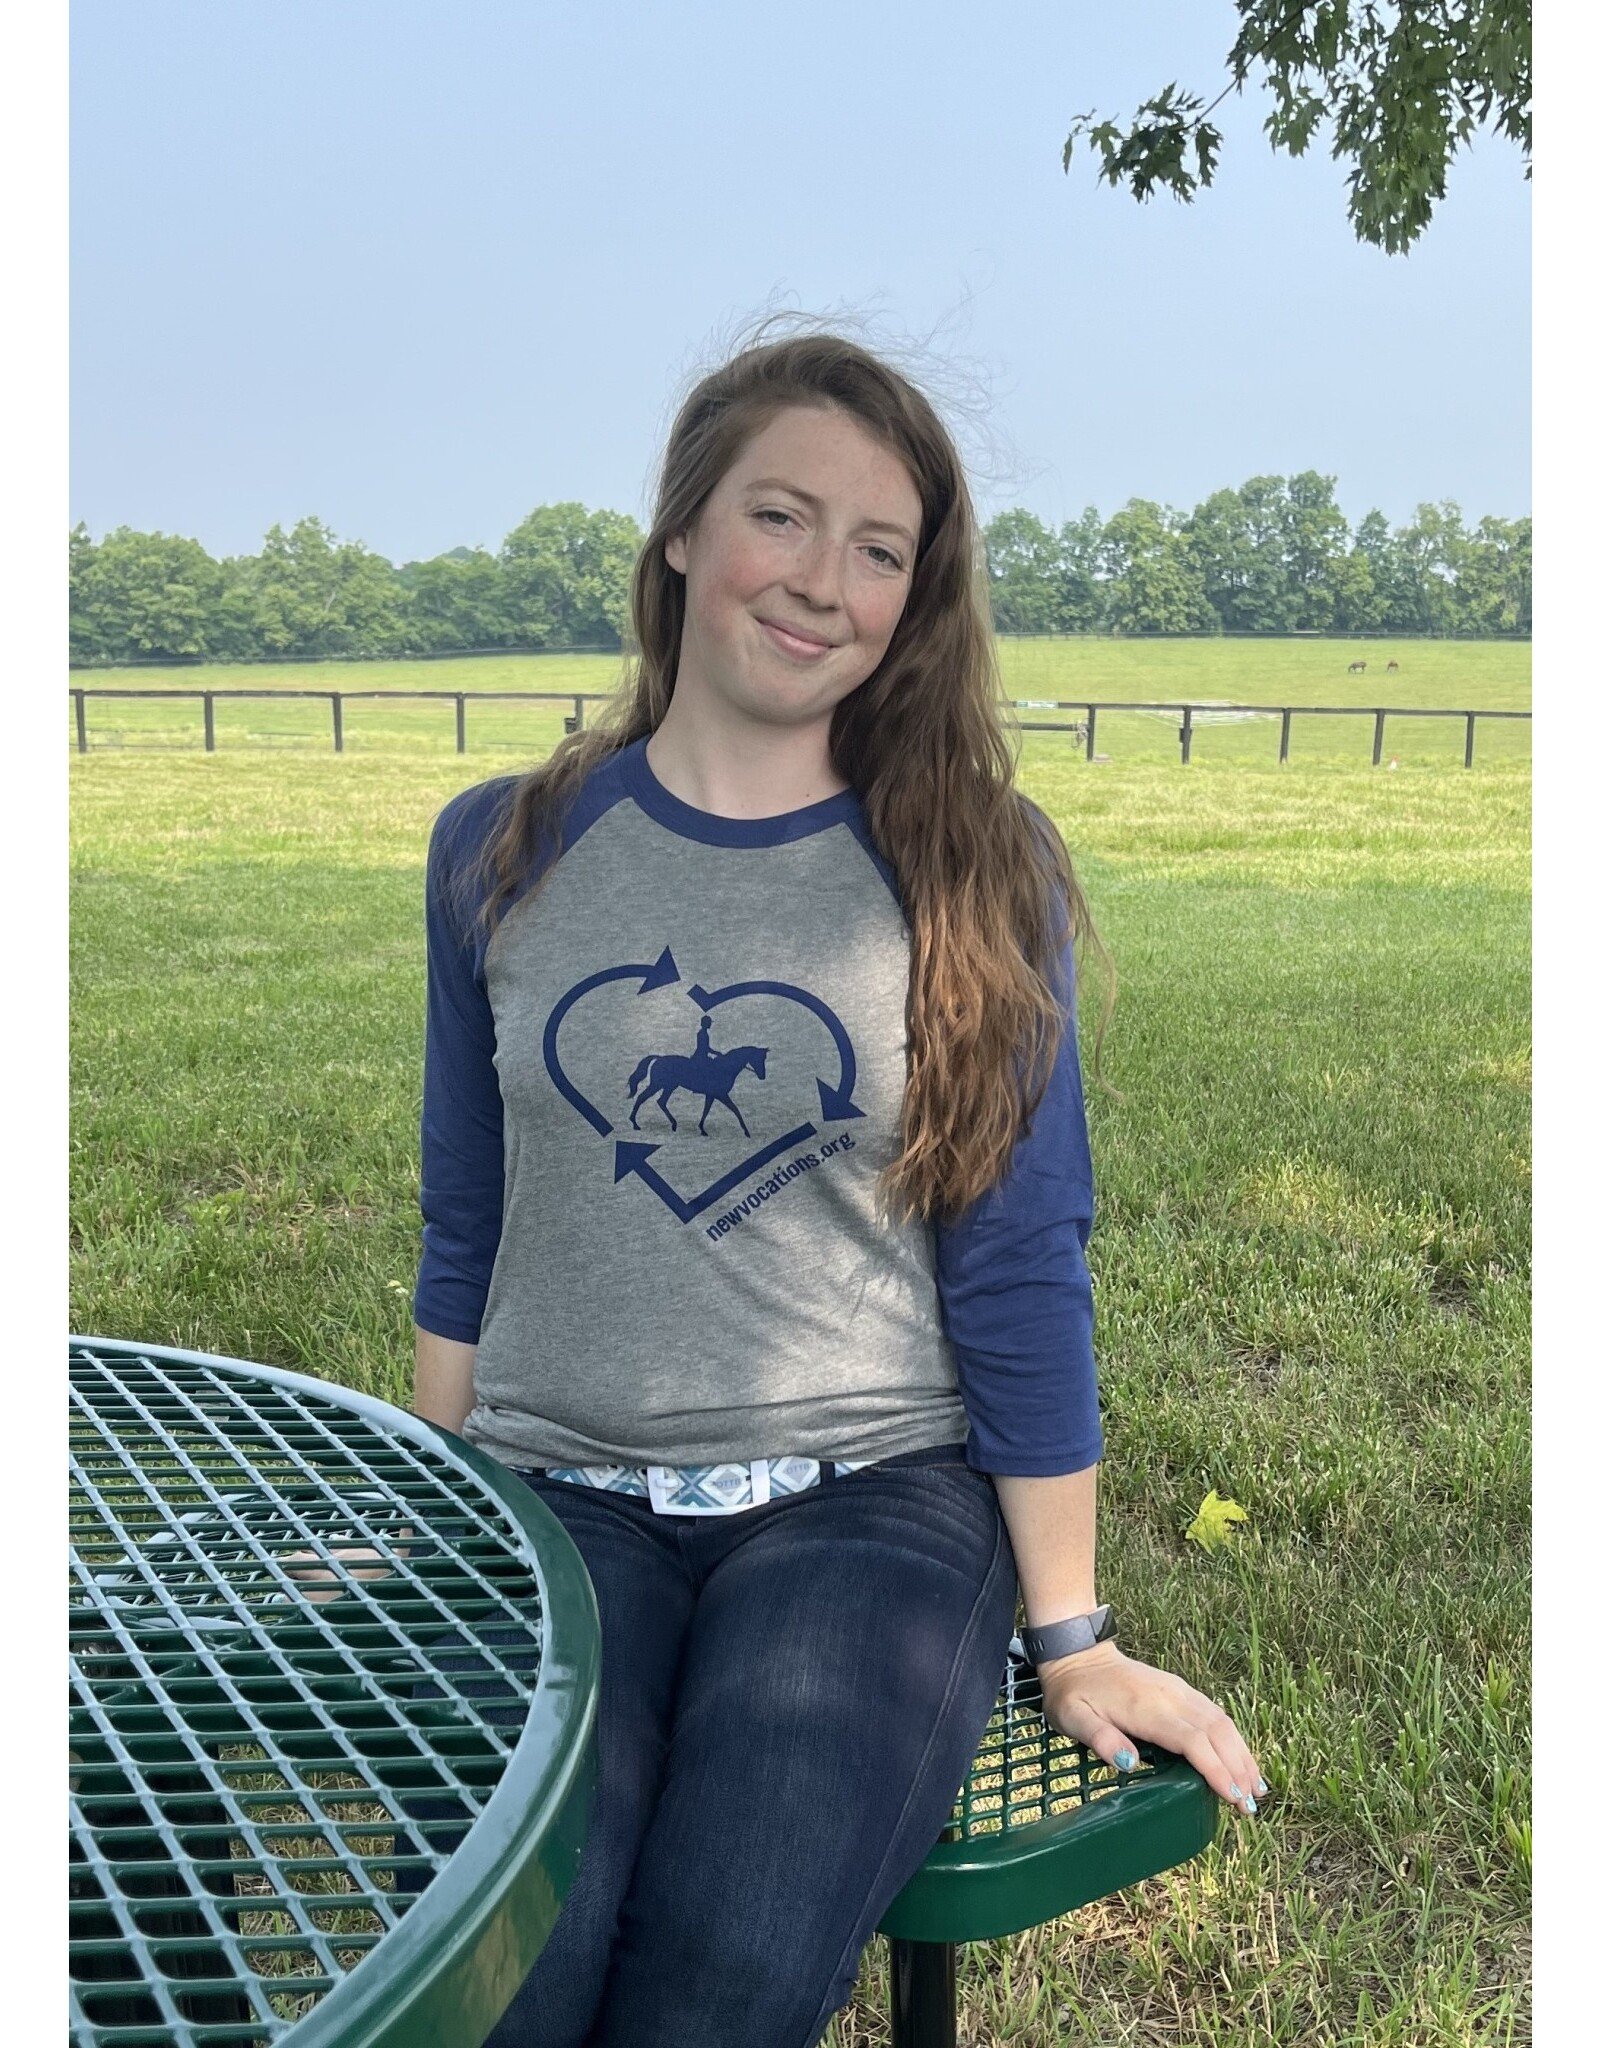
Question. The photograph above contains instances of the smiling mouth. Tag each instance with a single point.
(794, 643)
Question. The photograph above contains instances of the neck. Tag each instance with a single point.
(718, 760)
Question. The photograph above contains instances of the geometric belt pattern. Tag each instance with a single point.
(722, 1489)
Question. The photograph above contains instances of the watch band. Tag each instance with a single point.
(1061, 1638)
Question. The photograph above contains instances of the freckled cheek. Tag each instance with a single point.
(745, 573)
(875, 622)
(732, 585)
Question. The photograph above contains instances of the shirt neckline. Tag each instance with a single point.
(653, 797)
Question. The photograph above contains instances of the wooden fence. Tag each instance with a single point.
(1082, 729)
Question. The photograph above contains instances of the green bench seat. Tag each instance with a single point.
(1042, 1827)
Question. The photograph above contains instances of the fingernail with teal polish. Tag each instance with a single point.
(1249, 1806)
(1261, 1784)
(1234, 1792)
(1124, 1759)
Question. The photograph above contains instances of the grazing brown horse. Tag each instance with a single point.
(1356, 668)
(1393, 669)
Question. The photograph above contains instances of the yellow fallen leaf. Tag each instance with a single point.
(1210, 1526)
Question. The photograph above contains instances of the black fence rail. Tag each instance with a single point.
(336, 701)
(1082, 729)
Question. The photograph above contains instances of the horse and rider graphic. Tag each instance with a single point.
(704, 1072)
(710, 1074)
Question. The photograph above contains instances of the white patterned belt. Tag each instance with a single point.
(727, 1488)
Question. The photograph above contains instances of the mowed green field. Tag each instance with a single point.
(1433, 675)
(1311, 1260)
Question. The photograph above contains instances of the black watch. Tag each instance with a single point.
(1061, 1638)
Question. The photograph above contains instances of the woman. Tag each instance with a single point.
(756, 1188)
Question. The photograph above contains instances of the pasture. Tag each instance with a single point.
(1311, 1256)
(1431, 675)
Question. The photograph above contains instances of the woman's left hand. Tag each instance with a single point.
(1104, 1700)
(322, 1584)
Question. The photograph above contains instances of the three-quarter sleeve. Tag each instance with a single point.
(1015, 1289)
(463, 1135)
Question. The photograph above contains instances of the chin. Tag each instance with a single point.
(784, 707)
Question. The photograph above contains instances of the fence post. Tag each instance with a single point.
(461, 722)
(1283, 737)
(211, 723)
(1088, 738)
(1186, 734)
(1377, 739)
(338, 720)
(577, 711)
(1472, 720)
(83, 723)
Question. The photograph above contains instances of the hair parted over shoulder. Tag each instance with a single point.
(927, 742)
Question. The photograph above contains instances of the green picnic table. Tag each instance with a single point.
(251, 1764)
(245, 1758)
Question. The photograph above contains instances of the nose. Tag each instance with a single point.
(817, 573)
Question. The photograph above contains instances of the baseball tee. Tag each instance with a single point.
(655, 1103)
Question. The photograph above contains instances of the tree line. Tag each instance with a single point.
(1274, 556)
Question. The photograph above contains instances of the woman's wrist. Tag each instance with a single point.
(1065, 1608)
(1080, 1660)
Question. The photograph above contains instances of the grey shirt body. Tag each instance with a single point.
(698, 1037)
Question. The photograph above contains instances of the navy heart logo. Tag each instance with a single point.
(709, 1074)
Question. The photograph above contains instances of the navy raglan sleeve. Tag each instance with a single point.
(1015, 1289)
(463, 1141)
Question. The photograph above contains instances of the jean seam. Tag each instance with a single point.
(856, 1940)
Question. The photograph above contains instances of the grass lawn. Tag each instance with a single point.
(1311, 1257)
(1433, 675)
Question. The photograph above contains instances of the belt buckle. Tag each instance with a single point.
(666, 1486)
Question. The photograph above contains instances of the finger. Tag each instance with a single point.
(1109, 1743)
(1082, 1720)
(1232, 1756)
(1174, 1728)
(1194, 1737)
(1229, 1746)
(316, 1583)
(320, 1582)
(1225, 1764)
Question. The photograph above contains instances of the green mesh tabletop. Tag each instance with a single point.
(1043, 1826)
(257, 1759)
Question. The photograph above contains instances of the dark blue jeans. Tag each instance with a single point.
(789, 1701)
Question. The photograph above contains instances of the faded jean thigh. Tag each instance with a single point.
(790, 1698)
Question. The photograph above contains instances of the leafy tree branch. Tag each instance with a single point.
(1401, 86)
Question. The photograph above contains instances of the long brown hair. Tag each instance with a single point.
(926, 742)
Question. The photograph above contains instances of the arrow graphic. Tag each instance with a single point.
(632, 1156)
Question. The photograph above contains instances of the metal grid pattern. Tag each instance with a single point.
(244, 1754)
(1025, 1770)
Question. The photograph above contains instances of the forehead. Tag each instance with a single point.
(823, 451)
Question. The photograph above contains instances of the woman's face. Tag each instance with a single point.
(797, 568)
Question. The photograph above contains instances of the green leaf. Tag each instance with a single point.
(1211, 1527)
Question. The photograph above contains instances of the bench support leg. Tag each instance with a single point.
(922, 1994)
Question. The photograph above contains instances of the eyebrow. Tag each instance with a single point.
(769, 483)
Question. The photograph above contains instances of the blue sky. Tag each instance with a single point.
(417, 268)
